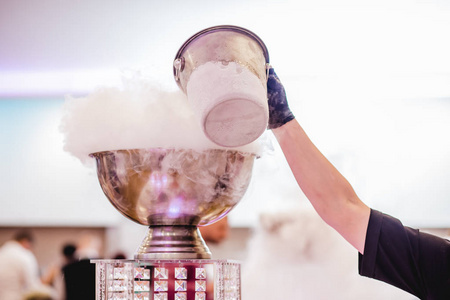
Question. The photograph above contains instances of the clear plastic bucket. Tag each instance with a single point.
(223, 71)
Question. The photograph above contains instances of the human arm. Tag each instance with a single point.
(329, 192)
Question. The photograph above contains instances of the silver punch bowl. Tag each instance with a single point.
(173, 191)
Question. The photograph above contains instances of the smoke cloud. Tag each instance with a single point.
(140, 114)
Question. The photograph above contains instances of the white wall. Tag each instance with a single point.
(40, 183)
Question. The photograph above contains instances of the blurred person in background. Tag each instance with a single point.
(19, 270)
(79, 276)
(54, 276)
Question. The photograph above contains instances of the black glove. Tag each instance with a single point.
(279, 112)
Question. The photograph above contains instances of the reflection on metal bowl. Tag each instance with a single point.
(173, 190)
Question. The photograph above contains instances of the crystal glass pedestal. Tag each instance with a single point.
(163, 279)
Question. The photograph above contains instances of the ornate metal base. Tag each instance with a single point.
(173, 242)
(181, 279)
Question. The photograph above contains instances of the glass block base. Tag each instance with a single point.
(184, 279)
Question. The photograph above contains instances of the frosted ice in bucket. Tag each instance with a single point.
(230, 102)
(223, 71)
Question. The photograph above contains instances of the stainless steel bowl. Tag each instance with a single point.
(173, 191)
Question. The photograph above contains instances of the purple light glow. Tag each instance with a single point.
(158, 181)
(175, 207)
(54, 83)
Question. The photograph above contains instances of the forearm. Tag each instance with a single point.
(328, 191)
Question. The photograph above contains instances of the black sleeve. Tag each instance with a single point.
(416, 262)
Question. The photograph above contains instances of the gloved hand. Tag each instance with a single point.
(279, 111)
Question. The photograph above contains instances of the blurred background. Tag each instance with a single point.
(368, 80)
